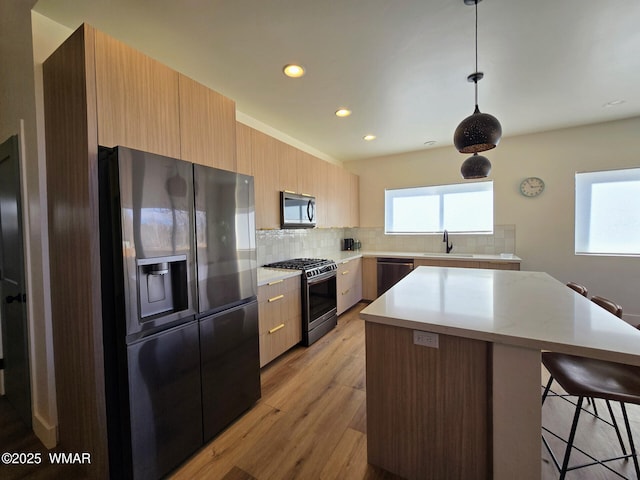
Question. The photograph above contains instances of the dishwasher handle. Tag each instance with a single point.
(395, 261)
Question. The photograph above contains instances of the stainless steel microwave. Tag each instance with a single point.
(297, 211)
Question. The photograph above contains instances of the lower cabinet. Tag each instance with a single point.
(466, 264)
(349, 284)
(369, 278)
(279, 317)
(370, 270)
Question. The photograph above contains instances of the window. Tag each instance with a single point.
(459, 208)
(607, 212)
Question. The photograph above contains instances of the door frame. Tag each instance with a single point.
(26, 267)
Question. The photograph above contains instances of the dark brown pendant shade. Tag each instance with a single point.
(477, 133)
(476, 166)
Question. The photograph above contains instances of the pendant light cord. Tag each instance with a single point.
(476, 80)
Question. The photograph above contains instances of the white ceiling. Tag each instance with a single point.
(399, 65)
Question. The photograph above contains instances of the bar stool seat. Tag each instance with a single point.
(591, 378)
(586, 377)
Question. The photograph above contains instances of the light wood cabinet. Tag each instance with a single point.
(430, 262)
(499, 265)
(427, 407)
(136, 99)
(277, 166)
(349, 284)
(243, 149)
(337, 202)
(287, 159)
(354, 200)
(308, 181)
(279, 317)
(207, 126)
(266, 180)
(319, 186)
(369, 278)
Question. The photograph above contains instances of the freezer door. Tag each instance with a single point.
(165, 405)
(225, 238)
(230, 366)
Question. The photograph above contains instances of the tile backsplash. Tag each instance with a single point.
(277, 245)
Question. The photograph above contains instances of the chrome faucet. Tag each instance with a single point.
(445, 239)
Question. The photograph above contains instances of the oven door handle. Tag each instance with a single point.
(321, 278)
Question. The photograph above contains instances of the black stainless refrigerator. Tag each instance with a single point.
(180, 317)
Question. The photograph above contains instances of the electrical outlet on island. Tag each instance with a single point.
(426, 339)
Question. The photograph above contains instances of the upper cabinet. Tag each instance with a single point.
(243, 149)
(136, 98)
(354, 200)
(145, 105)
(287, 159)
(264, 150)
(207, 126)
(277, 166)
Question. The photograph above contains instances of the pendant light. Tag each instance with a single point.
(479, 131)
(476, 166)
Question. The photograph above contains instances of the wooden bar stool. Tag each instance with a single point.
(591, 378)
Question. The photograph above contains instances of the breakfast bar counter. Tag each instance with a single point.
(453, 368)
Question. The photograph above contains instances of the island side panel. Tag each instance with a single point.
(517, 415)
(428, 409)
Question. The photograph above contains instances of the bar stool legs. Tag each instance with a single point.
(564, 468)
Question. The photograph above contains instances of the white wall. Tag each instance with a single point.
(544, 225)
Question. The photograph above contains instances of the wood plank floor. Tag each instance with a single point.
(310, 423)
(16, 437)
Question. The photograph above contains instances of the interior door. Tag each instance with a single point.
(13, 307)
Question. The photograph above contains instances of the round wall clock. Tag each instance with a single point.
(531, 186)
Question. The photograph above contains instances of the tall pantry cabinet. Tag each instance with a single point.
(98, 91)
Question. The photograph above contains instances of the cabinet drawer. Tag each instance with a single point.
(279, 339)
(277, 287)
(349, 284)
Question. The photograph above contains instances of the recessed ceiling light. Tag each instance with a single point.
(613, 103)
(368, 138)
(293, 71)
(343, 112)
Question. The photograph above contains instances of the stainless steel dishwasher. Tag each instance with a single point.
(391, 271)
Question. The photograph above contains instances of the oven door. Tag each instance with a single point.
(319, 307)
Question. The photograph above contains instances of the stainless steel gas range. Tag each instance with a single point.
(319, 307)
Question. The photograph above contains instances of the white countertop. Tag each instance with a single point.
(482, 257)
(520, 308)
(268, 275)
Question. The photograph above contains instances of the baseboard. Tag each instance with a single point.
(48, 434)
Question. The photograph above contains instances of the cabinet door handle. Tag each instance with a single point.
(346, 291)
(275, 329)
(275, 282)
(273, 299)
(345, 272)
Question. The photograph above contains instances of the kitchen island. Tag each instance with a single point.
(453, 368)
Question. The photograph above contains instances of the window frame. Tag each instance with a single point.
(583, 183)
(441, 191)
